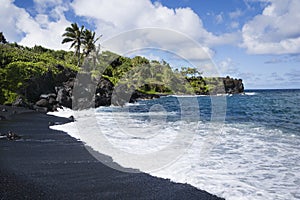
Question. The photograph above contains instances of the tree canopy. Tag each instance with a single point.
(80, 38)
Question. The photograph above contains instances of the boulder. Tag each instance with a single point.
(64, 98)
(41, 109)
(20, 102)
(52, 101)
(233, 86)
(47, 96)
(42, 103)
(71, 118)
(103, 93)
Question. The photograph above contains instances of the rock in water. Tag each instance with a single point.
(12, 136)
(71, 118)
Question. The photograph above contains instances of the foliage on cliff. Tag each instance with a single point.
(21, 66)
(18, 65)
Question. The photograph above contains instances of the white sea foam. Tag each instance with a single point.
(247, 162)
(250, 93)
(186, 96)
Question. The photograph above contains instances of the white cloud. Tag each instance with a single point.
(42, 6)
(274, 31)
(219, 18)
(116, 16)
(235, 14)
(158, 39)
(228, 67)
(41, 31)
(12, 15)
(19, 26)
(234, 25)
(111, 18)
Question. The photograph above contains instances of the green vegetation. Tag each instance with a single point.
(80, 37)
(19, 65)
(151, 77)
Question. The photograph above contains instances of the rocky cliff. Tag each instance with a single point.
(73, 90)
(79, 91)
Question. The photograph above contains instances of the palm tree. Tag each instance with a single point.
(89, 41)
(75, 35)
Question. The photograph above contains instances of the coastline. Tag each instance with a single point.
(9, 112)
(49, 164)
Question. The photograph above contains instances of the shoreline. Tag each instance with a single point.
(9, 112)
(50, 164)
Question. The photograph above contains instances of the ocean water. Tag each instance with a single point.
(236, 146)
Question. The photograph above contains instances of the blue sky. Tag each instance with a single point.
(256, 40)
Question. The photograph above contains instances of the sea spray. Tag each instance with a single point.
(251, 159)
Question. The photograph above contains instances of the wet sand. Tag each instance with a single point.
(49, 164)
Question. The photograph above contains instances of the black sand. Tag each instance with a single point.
(48, 164)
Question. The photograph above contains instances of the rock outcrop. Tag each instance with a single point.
(74, 90)
(233, 86)
(80, 91)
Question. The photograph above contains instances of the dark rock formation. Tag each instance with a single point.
(104, 91)
(74, 90)
(12, 136)
(233, 86)
(42, 103)
(64, 97)
(138, 96)
(70, 119)
(20, 102)
(39, 85)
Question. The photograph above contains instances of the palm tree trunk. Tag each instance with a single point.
(78, 54)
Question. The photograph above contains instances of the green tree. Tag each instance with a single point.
(2, 38)
(190, 72)
(89, 41)
(75, 35)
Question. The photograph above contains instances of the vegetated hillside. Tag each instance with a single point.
(28, 73)
(21, 67)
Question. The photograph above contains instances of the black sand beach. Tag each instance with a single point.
(48, 164)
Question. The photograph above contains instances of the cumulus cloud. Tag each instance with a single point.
(118, 16)
(158, 39)
(19, 26)
(43, 6)
(273, 31)
(110, 18)
(10, 15)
